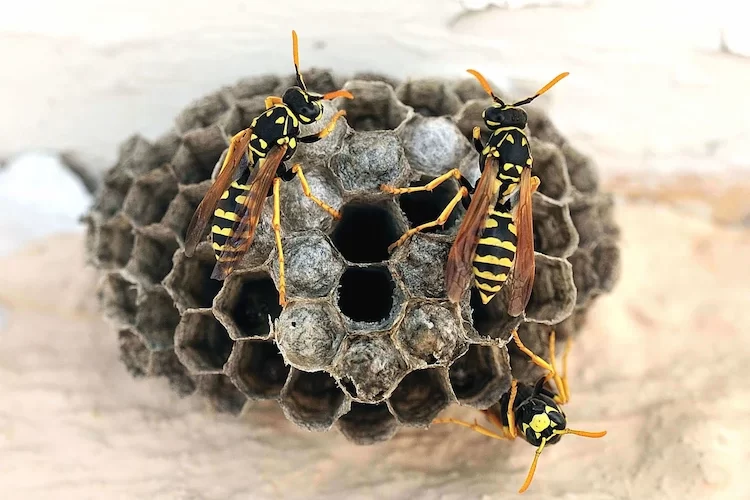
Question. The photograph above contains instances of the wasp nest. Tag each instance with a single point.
(368, 341)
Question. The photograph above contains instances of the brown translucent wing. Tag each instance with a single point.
(249, 213)
(524, 267)
(207, 206)
(458, 269)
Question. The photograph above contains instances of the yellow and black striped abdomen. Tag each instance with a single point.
(495, 252)
(225, 215)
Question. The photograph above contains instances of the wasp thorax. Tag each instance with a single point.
(302, 104)
(539, 418)
(498, 116)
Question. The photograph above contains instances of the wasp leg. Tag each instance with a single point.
(475, 427)
(273, 100)
(510, 431)
(441, 220)
(541, 362)
(454, 173)
(477, 140)
(276, 224)
(323, 133)
(297, 171)
(566, 388)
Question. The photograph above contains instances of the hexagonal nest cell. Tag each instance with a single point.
(367, 341)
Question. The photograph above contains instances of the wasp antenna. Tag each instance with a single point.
(295, 55)
(542, 90)
(337, 93)
(532, 469)
(584, 433)
(484, 83)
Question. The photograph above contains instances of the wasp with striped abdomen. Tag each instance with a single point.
(253, 170)
(491, 240)
(531, 412)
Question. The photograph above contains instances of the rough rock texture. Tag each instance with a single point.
(368, 339)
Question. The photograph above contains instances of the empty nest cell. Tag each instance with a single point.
(202, 343)
(554, 232)
(420, 396)
(206, 144)
(118, 297)
(156, 318)
(368, 424)
(481, 376)
(190, 282)
(426, 206)
(257, 369)
(554, 295)
(313, 400)
(248, 304)
(133, 353)
(429, 97)
(369, 298)
(114, 189)
(366, 230)
(182, 207)
(149, 197)
(549, 165)
(375, 106)
(153, 249)
(309, 334)
(114, 243)
(221, 394)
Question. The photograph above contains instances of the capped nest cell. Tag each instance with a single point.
(368, 341)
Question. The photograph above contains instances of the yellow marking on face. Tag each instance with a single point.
(226, 215)
(280, 120)
(512, 228)
(523, 141)
(241, 199)
(224, 231)
(488, 275)
(540, 422)
(486, 287)
(304, 119)
(490, 123)
(510, 139)
(292, 142)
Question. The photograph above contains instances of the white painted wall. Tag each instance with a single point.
(649, 87)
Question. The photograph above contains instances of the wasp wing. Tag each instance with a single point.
(230, 170)
(524, 267)
(249, 212)
(458, 269)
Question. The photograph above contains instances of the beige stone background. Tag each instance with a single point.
(656, 99)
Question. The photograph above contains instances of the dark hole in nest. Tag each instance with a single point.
(256, 301)
(426, 206)
(364, 232)
(366, 294)
(263, 369)
(471, 373)
(211, 345)
(317, 390)
(202, 288)
(155, 259)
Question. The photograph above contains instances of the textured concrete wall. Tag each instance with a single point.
(650, 87)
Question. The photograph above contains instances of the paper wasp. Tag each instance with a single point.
(533, 412)
(491, 240)
(253, 170)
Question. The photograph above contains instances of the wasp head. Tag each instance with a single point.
(539, 419)
(305, 105)
(502, 115)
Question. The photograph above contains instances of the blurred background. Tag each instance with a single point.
(657, 96)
